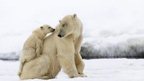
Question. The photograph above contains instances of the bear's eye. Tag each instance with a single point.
(63, 25)
(41, 27)
(48, 27)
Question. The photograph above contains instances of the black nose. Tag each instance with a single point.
(53, 30)
(59, 35)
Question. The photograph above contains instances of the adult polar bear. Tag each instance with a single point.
(61, 50)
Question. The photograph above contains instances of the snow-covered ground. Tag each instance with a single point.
(96, 70)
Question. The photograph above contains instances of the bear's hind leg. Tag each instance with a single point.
(21, 67)
(46, 77)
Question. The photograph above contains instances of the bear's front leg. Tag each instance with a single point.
(78, 59)
(21, 67)
(68, 65)
(79, 64)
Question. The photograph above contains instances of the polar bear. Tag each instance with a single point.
(32, 47)
(69, 45)
(61, 50)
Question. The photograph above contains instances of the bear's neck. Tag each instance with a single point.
(70, 37)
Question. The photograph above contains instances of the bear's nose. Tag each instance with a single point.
(53, 30)
(59, 35)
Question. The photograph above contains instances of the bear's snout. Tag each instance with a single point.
(59, 35)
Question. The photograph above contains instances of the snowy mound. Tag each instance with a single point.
(9, 56)
(114, 47)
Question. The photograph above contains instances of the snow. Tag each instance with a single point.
(96, 70)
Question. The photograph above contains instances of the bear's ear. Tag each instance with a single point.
(41, 27)
(59, 21)
(74, 15)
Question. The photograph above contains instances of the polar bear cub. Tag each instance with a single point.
(32, 47)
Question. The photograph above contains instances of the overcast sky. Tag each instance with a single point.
(20, 15)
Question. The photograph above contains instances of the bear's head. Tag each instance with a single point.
(70, 25)
(46, 29)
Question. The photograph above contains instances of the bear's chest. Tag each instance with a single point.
(65, 46)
